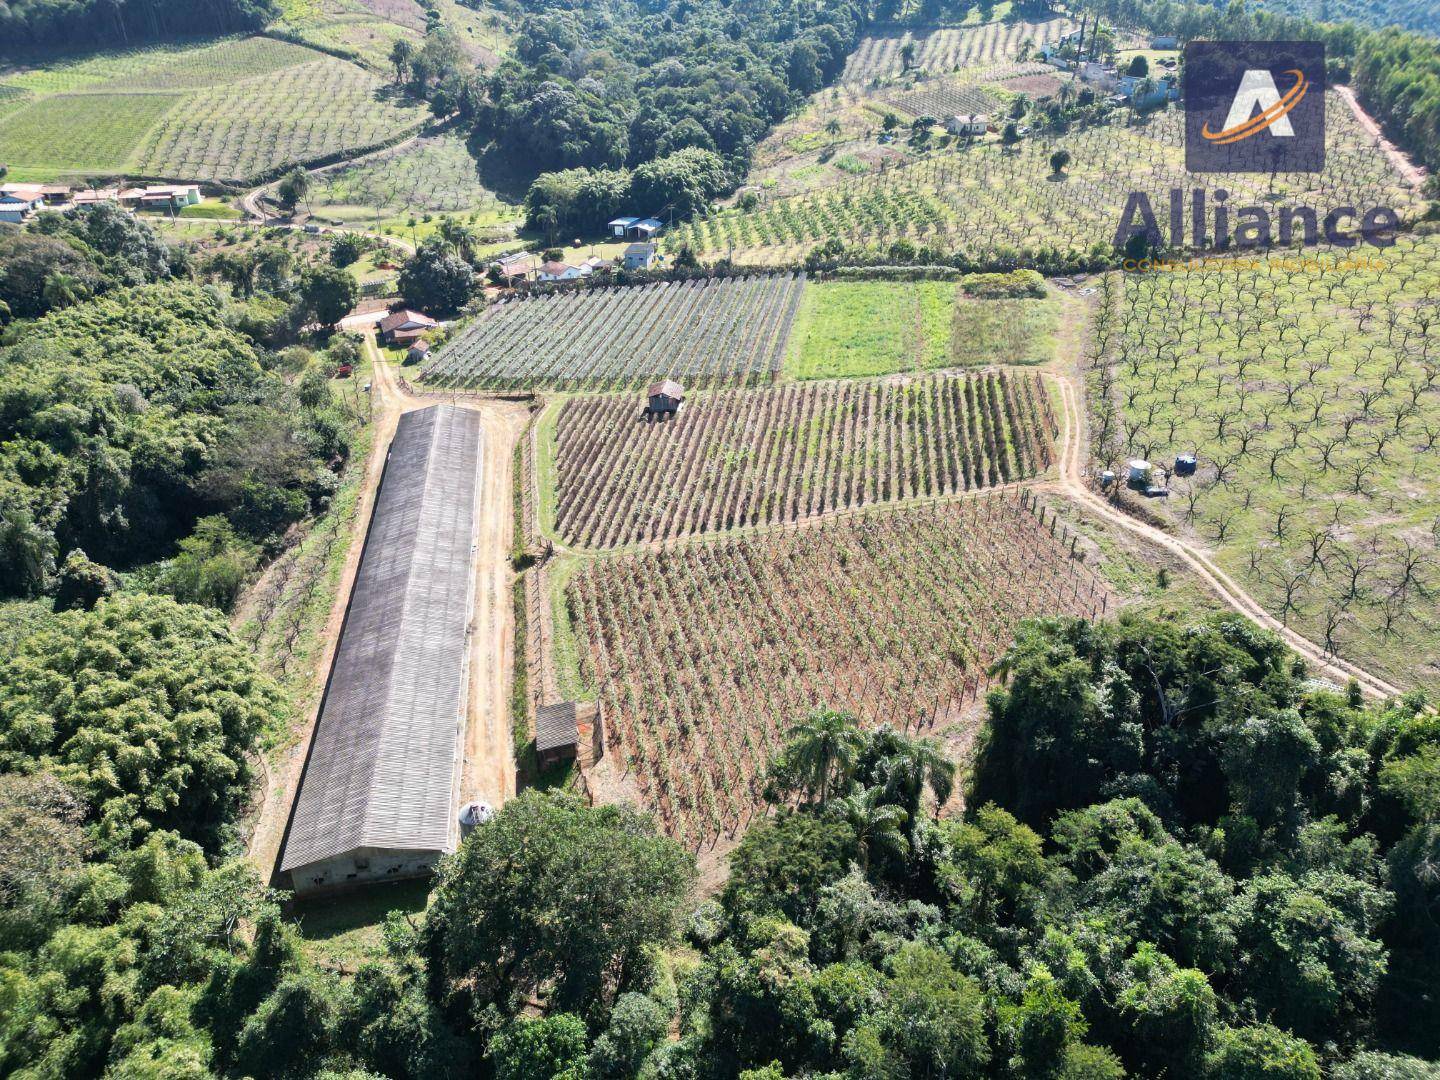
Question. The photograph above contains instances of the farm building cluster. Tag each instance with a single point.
(642, 253)
(19, 202)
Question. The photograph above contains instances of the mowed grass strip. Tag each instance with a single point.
(79, 131)
(853, 329)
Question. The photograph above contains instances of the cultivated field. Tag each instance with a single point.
(973, 90)
(713, 332)
(226, 110)
(702, 655)
(984, 198)
(742, 458)
(1313, 402)
(432, 175)
(878, 57)
(854, 329)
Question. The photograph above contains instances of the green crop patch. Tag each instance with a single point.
(1003, 332)
(79, 131)
(319, 108)
(853, 329)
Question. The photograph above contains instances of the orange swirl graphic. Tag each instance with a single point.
(1263, 120)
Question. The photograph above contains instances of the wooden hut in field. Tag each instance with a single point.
(665, 398)
(567, 731)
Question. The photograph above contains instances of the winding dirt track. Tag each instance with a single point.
(1072, 484)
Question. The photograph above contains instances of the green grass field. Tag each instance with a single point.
(222, 110)
(1003, 331)
(1313, 403)
(855, 329)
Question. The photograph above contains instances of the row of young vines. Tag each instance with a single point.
(702, 655)
(742, 458)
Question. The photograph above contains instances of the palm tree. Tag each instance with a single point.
(822, 751)
(878, 824)
(546, 220)
(917, 764)
(62, 290)
(832, 127)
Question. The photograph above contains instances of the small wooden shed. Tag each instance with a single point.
(557, 735)
(568, 731)
(665, 398)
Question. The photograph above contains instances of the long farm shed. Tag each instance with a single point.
(378, 797)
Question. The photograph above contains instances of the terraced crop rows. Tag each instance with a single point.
(878, 56)
(702, 655)
(945, 100)
(762, 457)
(222, 110)
(983, 199)
(241, 130)
(435, 174)
(79, 131)
(1312, 398)
(710, 332)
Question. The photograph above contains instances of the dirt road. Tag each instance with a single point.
(1072, 483)
(1403, 165)
(489, 769)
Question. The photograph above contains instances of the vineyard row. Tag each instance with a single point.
(703, 655)
(761, 457)
(709, 332)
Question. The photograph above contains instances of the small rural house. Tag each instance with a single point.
(665, 398)
(633, 228)
(968, 124)
(380, 790)
(519, 266)
(1099, 75)
(17, 209)
(404, 327)
(1166, 89)
(169, 197)
(48, 194)
(417, 352)
(640, 256)
(1165, 41)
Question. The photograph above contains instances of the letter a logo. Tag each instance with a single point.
(1258, 91)
(1237, 90)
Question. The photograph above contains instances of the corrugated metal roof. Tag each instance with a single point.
(384, 767)
(555, 726)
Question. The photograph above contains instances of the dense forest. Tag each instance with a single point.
(75, 24)
(1179, 858)
(141, 408)
(615, 85)
(1422, 15)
